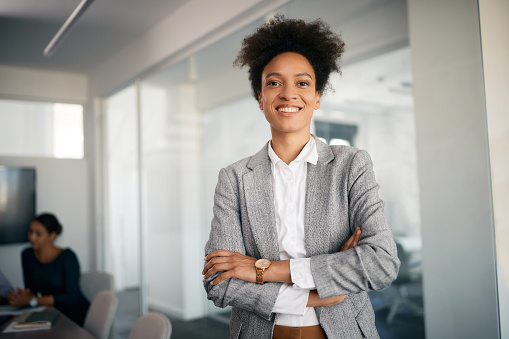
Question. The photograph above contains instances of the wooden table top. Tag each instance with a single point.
(64, 328)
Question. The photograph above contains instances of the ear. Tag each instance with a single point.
(260, 103)
(317, 100)
(53, 236)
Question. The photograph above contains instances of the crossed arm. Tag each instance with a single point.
(371, 265)
(239, 266)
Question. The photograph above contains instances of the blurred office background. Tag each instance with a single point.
(130, 120)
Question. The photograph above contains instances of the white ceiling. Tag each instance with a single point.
(27, 26)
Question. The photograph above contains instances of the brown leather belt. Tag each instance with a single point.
(305, 332)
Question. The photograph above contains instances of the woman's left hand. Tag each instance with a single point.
(234, 265)
(19, 297)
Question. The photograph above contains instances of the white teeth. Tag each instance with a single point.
(288, 109)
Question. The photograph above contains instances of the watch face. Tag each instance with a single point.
(262, 263)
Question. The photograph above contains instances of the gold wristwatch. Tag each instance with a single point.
(261, 265)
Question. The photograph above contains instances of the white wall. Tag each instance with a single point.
(495, 52)
(62, 185)
(61, 189)
(460, 294)
(34, 84)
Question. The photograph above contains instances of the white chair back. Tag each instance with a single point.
(94, 282)
(152, 325)
(101, 314)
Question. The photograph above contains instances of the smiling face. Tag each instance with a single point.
(289, 97)
(39, 237)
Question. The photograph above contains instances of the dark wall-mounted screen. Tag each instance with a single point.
(17, 203)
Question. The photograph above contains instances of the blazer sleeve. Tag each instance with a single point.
(374, 263)
(226, 233)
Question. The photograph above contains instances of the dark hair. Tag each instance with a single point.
(50, 222)
(314, 40)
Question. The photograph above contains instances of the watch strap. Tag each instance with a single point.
(259, 275)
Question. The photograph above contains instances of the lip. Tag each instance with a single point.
(288, 110)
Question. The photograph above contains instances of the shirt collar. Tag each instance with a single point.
(309, 153)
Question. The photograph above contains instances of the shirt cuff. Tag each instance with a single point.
(291, 300)
(300, 271)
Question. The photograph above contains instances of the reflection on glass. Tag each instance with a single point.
(41, 129)
(67, 131)
(122, 212)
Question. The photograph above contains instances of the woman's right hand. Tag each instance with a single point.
(353, 240)
(314, 299)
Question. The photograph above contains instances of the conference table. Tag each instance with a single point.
(64, 328)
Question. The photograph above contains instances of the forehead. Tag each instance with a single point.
(289, 62)
(36, 226)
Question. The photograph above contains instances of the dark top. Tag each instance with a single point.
(59, 278)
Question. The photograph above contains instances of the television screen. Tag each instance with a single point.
(17, 203)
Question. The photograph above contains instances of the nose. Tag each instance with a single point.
(287, 93)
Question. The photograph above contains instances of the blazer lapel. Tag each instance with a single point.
(259, 193)
(317, 236)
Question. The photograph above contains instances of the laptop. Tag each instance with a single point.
(5, 285)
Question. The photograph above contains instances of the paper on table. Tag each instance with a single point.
(17, 310)
(11, 329)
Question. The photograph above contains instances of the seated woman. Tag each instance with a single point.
(51, 274)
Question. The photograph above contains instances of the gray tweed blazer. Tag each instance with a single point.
(342, 193)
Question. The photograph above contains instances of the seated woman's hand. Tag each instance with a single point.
(232, 264)
(19, 297)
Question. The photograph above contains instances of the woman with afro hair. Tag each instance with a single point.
(299, 233)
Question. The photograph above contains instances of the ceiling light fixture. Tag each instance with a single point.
(66, 27)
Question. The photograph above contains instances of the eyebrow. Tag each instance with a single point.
(279, 74)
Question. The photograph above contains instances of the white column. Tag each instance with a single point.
(460, 284)
(495, 52)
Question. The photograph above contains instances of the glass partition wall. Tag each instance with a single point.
(197, 115)
(121, 236)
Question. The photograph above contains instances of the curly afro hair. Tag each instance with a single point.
(314, 40)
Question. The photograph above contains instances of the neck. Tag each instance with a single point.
(288, 146)
(45, 253)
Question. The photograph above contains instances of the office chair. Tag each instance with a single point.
(94, 282)
(152, 325)
(410, 273)
(101, 314)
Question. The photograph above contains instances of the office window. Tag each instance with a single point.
(41, 129)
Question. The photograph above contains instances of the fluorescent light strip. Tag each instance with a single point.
(66, 27)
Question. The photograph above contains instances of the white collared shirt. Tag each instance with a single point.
(289, 182)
